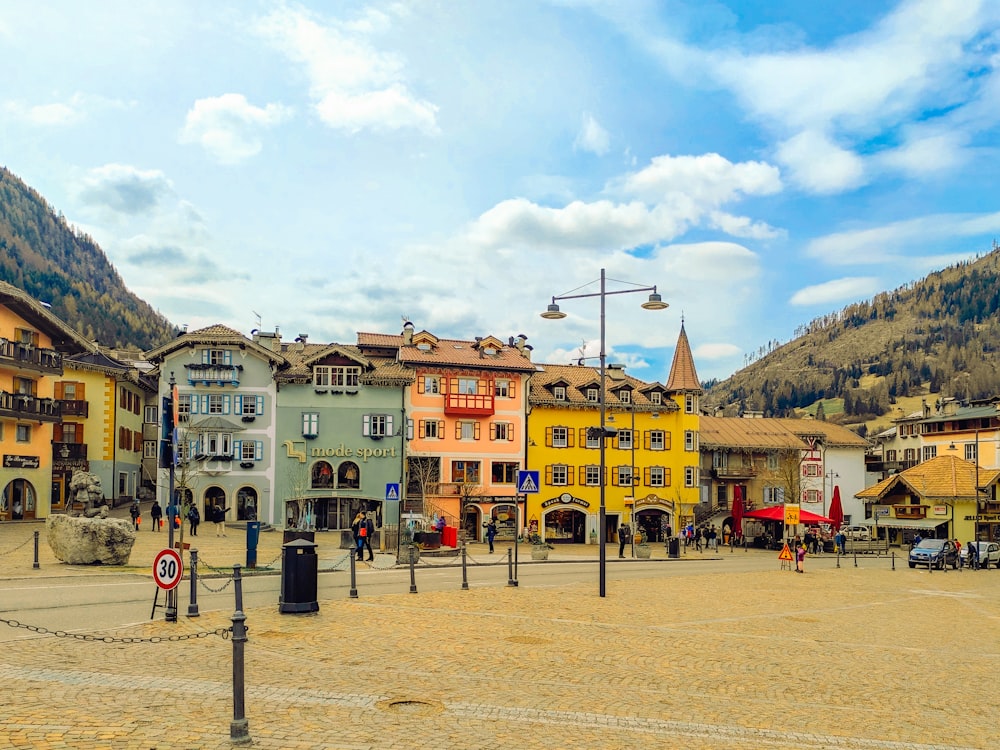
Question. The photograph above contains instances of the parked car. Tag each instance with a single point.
(861, 533)
(936, 552)
(989, 554)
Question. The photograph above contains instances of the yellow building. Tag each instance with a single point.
(32, 344)
(650, 482)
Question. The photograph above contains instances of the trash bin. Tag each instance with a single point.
(673, 547)
(253, 536)
(299, 570)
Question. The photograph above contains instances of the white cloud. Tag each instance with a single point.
(73, 110)
(354, 85)
(742, 226)
(592, 137)
(124, 189)
(708, 179)
(837, 290)
(716, 351)
(227, 126)
(819, 165)
(927, 152)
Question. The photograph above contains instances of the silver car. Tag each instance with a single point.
(989, 554)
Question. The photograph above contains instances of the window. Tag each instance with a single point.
(910, 454)
(970, 452)
(811, 496)
(149, 449)
(557, 475)
(503, 389)
(24, 386)
(250, 450)
(625, 396)
(810, 470)
(183, 406)
(656, 398)
(249, 406)
(592, 475)
(345, 377)
(690, 441)
(558, 437)
(216, 357)
(622, 476)
(930, 451)
(467, 429)
(559, 392)
(774, 495)
(215, 401)
(465, 472)
(772, 462)
(23, 433)
(502, 431)
(690, 403)
(625, 439)
(890, 454)
(720, 460)
(376, 425)
(321, 376)
(149, 415)
(431, 428)
(657, 440)
(468, 385)
(657, 477)
(504, 472)
(310, 424)
(690, 476)
(592, 395)
(593, 440)
(429, 384)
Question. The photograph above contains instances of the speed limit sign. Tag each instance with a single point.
(167, 569)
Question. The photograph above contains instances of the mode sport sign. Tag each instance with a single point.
(167, 569)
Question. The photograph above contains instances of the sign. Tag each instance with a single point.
(167, 569)
(565, 499)
(785, 554)
(791, 514)
(527, 482)
(31, 462)
(391, 493)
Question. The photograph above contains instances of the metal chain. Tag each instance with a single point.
(223, 633)
(223, 587)
(22, 544)
(500, 560)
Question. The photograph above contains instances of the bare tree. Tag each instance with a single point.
(423, 475)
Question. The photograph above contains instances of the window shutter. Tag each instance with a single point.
(239, 404)
(614, 442)
(647, 440)
(666, 477)
(57, 432)
(510, 432)
(258, 450)
(570, 437)
(227, 357)
(204, 356)
(388, 424)
(226, 400)
(81, 391)
(548, 437)
(511, 393)
(582, 479)
(570, 475)
(204, 403)
(647, 475)
(458, 430)
(475, 431)
(259, 405)
(615, 476)
(422, 428)
(493, 431)
(366, 424)
(59, 391)
(238, 450)
(420, 384)
(445, 388)
(583, 436)
(548, 475)
(666, 440)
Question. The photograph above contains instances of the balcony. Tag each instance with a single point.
(468, 405)
(910, 511)
(28, 357)
(18, 406)
(213, 374)
(69, 451)
(734, 472)
(74, 408)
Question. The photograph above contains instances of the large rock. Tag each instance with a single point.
(82, 541)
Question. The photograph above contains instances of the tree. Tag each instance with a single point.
(423, 475)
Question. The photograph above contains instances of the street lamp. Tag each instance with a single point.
(830, 475)
(655, 302)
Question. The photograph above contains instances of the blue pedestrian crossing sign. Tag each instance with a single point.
(527, 482)
(392, 493)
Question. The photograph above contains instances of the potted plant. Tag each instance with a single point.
(408, 549)
(539, 547)
(642, 548)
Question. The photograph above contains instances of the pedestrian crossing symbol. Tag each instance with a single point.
(392, 493)
(527, 482)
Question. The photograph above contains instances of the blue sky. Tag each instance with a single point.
(330, 167)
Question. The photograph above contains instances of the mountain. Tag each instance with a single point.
(935, 338)
(56, 264)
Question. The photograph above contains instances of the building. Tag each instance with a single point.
(33, 343)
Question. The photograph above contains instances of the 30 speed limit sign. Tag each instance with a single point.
(167, 569)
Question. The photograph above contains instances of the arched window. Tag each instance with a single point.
(322, 475)
(348, 476)
(18, 500)
(246, 504)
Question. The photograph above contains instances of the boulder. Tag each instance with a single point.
(82, 541)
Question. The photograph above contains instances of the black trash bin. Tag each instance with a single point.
(253, 536)
(673, 547)
(299, 571)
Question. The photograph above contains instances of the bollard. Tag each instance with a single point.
(838, 558)
(193, 605)
(239, 727)
(413, 578)
(465, 574)
(35, 565)
(510, 569)
(855, 550)
(354, 578)
(894, 559)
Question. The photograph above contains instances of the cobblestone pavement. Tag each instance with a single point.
(853, 657)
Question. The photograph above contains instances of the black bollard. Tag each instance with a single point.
(465, 573)
(855, 557)
(413, 577)
(354, 579)
(35, 565)
(193, 606)
(510, 570)
(838, 557)
(239, 727)
(894, 559)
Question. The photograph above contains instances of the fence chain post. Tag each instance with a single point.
(193, 605)
(354, 578)
(35, 565)
(465, 574)
(510, 569)
(239, 727)
(413, 577)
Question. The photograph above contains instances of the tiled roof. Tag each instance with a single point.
(831, 434)
(459, 353)
(753, 434)
(683, 376)
(578, 377)
(214, 334)
(940, 478)
(64, 338)
(300, 356)
(380, 339)
(387, 372)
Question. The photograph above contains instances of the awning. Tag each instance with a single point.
(907, 523)
(216, 424)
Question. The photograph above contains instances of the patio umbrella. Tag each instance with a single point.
(836, 510)
(738, 511)
(777, 513)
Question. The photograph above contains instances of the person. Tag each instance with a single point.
(18, 510)
(697, 538)
(491, 533)
(172, 512)
(622, 539)
(367, 531)
(841, 540)
(136, 514)
(440, 524)
(194, 518)
(958, 552)
(713, 538)
(156, 514)
(356, 525)
(917, 539)
(800, 557)
(219, 519)
(973, 553)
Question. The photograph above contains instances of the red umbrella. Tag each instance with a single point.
(738, 510)
(777, 513)
(836, 510)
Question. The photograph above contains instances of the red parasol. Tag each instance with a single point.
(836, 510)
(777, 513)
(738, 511)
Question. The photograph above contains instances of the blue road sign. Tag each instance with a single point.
(527, 482)
(392, 493)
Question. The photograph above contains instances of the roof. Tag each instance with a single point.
(219, 335)
(832, 435)
(943, 477)
(683, 376)
(965, 412)
(577, 379)
(64, 338)
(470, 354)
(753, 434)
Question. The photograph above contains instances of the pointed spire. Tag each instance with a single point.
(683, 376)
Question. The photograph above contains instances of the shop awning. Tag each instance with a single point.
(907, 523)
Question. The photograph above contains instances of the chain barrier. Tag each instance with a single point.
(22, 544)
(223, 633)
(499, 560)
(221, 588)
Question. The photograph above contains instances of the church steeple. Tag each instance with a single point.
(683, 377)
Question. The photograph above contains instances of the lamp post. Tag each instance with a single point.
(830, 476)
(655, 302)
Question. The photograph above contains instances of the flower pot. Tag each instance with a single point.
(643, 551)
(539, 552)
(408, 554)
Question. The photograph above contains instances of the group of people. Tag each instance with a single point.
(702, 537)
(363, 529)
(216, 512)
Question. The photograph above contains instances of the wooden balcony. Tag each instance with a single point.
(910, 511)
(74, 408)
(734, 472)
(213, 374)
(468, 405)
(28, 357)
(18, 406)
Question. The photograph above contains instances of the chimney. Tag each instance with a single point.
(519, 344)
(300, 341)
(407, 333)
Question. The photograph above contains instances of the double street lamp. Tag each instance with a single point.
(655, 302)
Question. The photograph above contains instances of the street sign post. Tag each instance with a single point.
(392, 492)
(167, 569)
(527, 482)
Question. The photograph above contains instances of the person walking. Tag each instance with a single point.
(491, 533)
(841, 541)
(156, 514)
(136, 514)
(194, 518)
(367, 531)
(800, 557)
(356, 525)
(622, 539)
(219, 519)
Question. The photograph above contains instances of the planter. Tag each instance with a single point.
(643, 551)
(407, 555)
(539, 552)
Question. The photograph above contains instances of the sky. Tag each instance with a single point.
(326, 168)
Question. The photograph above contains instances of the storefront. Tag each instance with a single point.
(565, 519)
(653, 517)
